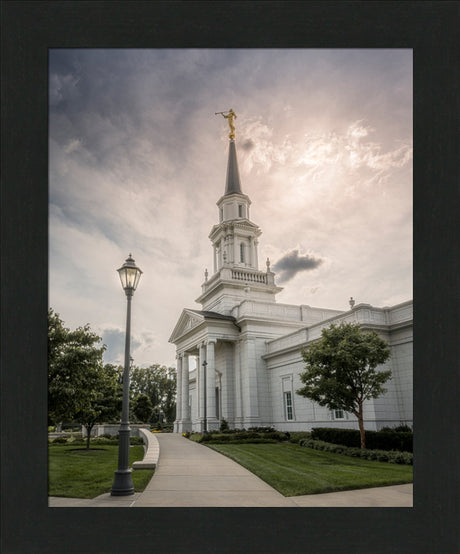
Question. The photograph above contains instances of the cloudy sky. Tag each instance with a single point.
(138, 161)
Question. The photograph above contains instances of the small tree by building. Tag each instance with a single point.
(341, 370)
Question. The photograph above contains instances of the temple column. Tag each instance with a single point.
(185, 395)
(238, 389)
(212, 423)
(177, 427)
(250, 385)
(256, 260)
(215, 259)
(251, 246)
(236, 252)
(201, 386)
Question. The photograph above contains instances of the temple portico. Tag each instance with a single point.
(212, 387)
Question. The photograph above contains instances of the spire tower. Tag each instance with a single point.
(235, 246)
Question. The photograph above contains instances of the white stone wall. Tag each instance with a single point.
(392, 408)
(225, 365)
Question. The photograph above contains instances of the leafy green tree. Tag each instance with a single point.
(74, 362)
(159, 384)
(341, 370)
(103, 402)
(142, 408)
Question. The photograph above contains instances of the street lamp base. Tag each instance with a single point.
(123, 483)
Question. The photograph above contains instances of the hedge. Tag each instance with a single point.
(246, 436)
(391, 456)
(375, 440)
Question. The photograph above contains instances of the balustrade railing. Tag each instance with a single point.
(249, 276)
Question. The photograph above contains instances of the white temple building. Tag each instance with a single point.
(248, 347)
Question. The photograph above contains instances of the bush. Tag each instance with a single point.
(262, 429)
(60, 440)
(403, 429)
(104, 440)
(136, 441)
(223, 425)
(375, 440)
(392, 456)
(238, 436)
(296, 436)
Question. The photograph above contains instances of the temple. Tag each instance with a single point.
(246, 347)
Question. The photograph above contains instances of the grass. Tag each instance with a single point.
(294, 470)
(75, 472)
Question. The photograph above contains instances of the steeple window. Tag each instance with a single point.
(242, 252)
(240, 210)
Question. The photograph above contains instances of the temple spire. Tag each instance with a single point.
(233, 184)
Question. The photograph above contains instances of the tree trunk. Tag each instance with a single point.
(361, 426)
(88, 435)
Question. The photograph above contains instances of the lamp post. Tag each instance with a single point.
(205, 430)
(123, 483)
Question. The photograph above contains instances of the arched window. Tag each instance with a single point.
(240, 210)
(241, 252)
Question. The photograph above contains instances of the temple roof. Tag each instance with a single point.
(233, 185)
(213, 315)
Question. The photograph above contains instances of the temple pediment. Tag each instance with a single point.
(188, 320)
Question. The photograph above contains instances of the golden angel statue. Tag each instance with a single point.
(230, 117)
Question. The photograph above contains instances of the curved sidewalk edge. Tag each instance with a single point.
(152, 451)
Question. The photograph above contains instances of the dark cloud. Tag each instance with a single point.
(291, 263)
(248, 145)
(114, 339)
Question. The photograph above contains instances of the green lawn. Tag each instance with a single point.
(294, 470)
(79, 473)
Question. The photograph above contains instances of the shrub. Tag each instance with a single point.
(136, 441)
(392, 456)
(59, 440)
(403, 429)
(104, 440)
(223, 425)
(375, 440)
(296, 436)
(262, 429)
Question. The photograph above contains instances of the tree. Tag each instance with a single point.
(74, 362)
(341, 370)
(159, 384)
(103, 401)
(142, 408)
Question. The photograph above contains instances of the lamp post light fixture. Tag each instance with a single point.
(123, 483)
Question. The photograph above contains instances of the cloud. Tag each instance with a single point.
(247, 145)
(136, 165)
(114, 339)
(291, 264)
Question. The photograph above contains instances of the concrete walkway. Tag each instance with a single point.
(191, 475)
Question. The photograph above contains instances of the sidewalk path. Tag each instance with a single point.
(189, 474)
